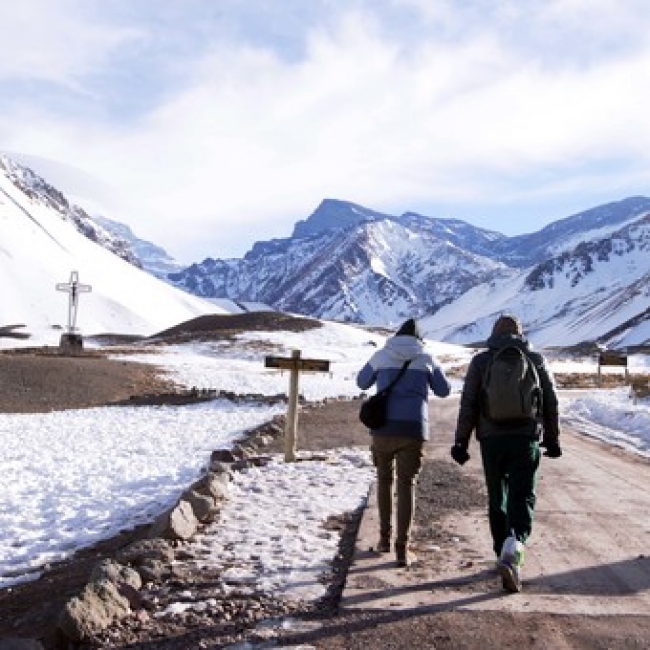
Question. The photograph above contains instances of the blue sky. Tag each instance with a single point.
(206, 125)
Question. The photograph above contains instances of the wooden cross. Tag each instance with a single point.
(73, 288)
(295, 364)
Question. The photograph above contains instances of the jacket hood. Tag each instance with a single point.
(404, 347)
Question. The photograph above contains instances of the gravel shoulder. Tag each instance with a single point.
(587, 575)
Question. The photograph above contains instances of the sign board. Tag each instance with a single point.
(612, 359)
(296, 363)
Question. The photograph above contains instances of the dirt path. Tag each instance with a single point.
(586, 577)
(588, 554)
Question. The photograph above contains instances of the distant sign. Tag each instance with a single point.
(612, 359)
(296, 363)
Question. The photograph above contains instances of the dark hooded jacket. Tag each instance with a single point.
(471, 416)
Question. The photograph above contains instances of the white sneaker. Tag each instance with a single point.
(510, 562)
(512, 551)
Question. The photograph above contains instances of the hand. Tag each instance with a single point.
(459, 453)
(553, 449)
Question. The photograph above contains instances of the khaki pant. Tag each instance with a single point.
(406, 453)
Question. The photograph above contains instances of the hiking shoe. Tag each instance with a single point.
(512, 551)
(510, 576)
(510, 562)
(405, 557)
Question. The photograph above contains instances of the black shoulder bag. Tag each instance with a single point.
(373, 410)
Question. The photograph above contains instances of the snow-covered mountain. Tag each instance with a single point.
(564, 235)
(582, 278)
(597, 291)
(376, 271)
(35, 187)
(150, 257)
(42, 243)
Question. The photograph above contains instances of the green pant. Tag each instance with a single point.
(510, 464)
(406, 453)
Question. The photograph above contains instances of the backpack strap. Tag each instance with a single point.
(538, 383)
(400, 374)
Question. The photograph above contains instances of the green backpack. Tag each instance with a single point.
(511, 387)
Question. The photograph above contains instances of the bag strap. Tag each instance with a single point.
(399, 375)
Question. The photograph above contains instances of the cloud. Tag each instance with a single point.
(51, 42)
(235, 133)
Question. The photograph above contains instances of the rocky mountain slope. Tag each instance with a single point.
(597, 291)
(578, 279)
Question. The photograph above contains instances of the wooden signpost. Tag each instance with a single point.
(295, 364)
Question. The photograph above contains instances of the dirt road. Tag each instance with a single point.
(586, 577)
(588, 555)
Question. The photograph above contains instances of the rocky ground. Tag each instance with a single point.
(34, 382)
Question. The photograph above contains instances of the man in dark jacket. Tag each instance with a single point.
(509, 449)
(400, 441)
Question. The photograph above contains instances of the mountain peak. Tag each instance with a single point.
(334, 213)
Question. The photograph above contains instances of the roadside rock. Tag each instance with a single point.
(94, 610)
(146, 550)
(177, 524)
(203, 506)
(215, 482)
(116, 573)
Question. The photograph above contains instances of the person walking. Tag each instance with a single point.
(399, 442)
(509, 429)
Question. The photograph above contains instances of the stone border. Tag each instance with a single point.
(113, 590)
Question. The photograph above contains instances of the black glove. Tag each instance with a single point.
(459, 453)
(552, 449)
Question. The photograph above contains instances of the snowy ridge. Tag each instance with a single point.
(377, 272)
(36, 188)
(578, 296)
(40, 247)
(151, 258)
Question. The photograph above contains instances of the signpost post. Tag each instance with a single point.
(296, 364)
(71, 340)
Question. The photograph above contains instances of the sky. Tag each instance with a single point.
(269, 535)
(206, 126)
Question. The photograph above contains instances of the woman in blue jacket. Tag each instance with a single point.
(400, 441)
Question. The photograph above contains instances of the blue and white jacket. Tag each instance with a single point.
(408, 413)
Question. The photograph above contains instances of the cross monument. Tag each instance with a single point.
(73, 288)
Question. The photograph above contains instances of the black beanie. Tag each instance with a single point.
(408, 328)
(507, 324)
